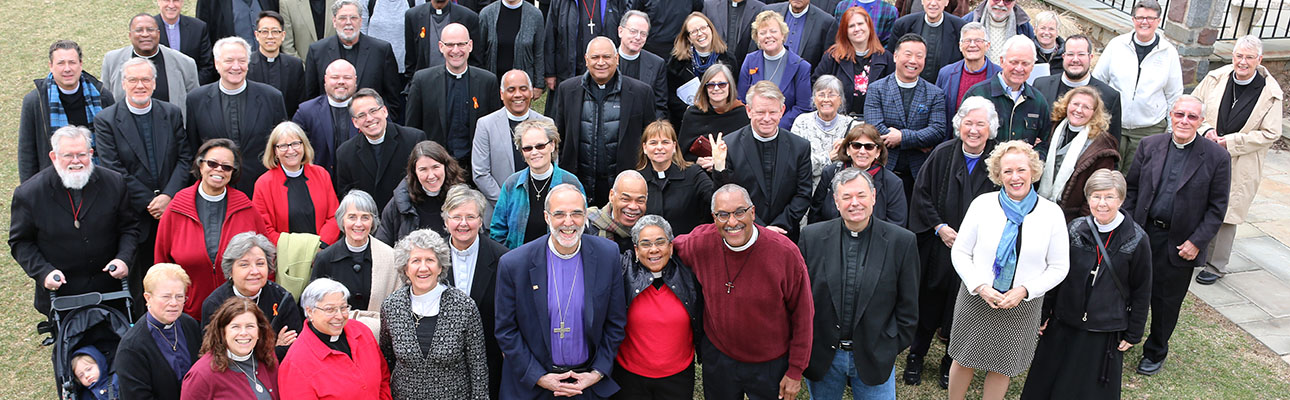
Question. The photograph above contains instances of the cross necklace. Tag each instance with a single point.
(591, 20)
(730, 282)
(569, 300)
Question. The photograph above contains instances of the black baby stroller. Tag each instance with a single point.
(85, 320)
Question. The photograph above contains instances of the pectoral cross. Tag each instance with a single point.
(729, 285)
(591, 27)
(561, 330)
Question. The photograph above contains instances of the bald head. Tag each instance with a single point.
(340, 80)
(602, 59)
(455, 44)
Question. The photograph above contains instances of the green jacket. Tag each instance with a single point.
(1027, 119)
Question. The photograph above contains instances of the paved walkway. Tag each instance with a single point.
(1255, 294)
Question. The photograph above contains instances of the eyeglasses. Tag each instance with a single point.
(539, 147)
(862, 146)
(74, 156)
(463, 218)
(454, 45)
(560, 215)
(827, 94)
(1003, 1)
(333, 310)
(635, 32)
(646, 245)
(1081, 54)
(270, 32)
(167, 298)
(296, 145)
(363, 115)
(1189, 116)
(1099, 199)
(133, 81)
(347, 18)
(216, 165)
(717, 85)
(1145, 19)
(977, 41)
(723, 216)
(696, 31)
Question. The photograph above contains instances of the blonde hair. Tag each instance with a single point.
(769, 16)
(994, 167)
(165, 272)
(1098, 123)
(270, 157)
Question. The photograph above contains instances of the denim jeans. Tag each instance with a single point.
(842, 373)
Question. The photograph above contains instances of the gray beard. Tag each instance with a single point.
(75, 180)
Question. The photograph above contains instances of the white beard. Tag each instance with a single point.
(76, 179)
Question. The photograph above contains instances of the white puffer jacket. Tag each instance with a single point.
(1144, 100)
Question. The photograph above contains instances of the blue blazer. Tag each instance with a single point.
(314, 115)
(795, 83)
(922, 126)
(524, 324)
(948, 80)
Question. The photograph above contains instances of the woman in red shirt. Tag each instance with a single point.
(295, 195)
(237, 361)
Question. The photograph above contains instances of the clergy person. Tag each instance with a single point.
(177, 73)
(188, 35)
(422, 26)
(757, 313)
(810, 29)
(375, 161)
(372, 58)
(636, 62)
(561, 310)
(474, 266)
(446, 101)
(570, 26)
(1077, 61)
(326, 118)
(270, 66)
(494, 156)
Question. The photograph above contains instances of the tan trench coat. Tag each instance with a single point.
(1250, 146)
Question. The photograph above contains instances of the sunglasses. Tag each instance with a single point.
(216, 165)
(539, 146)
(1188, 116)
(719, 85)
(862, 145)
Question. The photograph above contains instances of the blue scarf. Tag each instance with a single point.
(1005, 257)
(700, 66)
(58, 116)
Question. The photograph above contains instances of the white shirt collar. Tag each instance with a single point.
(1115, 222)
(139, 110)
(454, 74)
(355, 249)
(517, 118)
(930, 23)
(508, 5)
(470, 250)
(210, 198)
(1074, 84)
(1181, 146)
(74, 90)
(759, 138)
(254, 297)
(1244, 82)
(377, 140)
(550, 243)
(906, 85)
(628, 57)
(293, 174)
(751, 240)
(796, 14)
(427, 304)
(232, 92)
(542, 176)
(782, 52)
(338, 104)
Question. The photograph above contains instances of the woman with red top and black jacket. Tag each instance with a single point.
(295, 195)
(202, 218)
(664, 318)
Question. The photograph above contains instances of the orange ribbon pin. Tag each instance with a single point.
(752, 71)
(423, 32)
(476, 101)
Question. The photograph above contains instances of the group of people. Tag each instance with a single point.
(837, 149)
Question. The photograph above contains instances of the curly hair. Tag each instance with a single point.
(424, 239)
(1098, 123)
(213, 341)
(994, 164)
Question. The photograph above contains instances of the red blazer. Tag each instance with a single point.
(180, 240)
(311, 370)
(203, 383)
(271, 201)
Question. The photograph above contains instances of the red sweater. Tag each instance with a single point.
(659, 340)
(180, 240)
(203, 383)
(271, 201)
(769, 312)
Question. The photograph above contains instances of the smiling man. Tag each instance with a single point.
(1077, 62)
(908, 111)
(494, 156)
(1023, 111)
(188, 35)
(626, 205)
(1150, 85)
(326, 118)
(445, 101)
(66, 96)
(374, 161)
(176, 73)
(940, 31)
(1002, 20)
(955, 79)
(373, 58)
(636, 62)
(271, 66)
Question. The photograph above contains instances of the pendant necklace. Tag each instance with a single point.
(76, 210)
(730, 282)
(258, 386)
(173, 346)
(569, 300)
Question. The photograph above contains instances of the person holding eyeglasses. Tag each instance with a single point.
(517, 218)
(334, 356)
(861, 148)
(1147, 71)
(1181, 201)
(364, 264)
(418, 200)
(159, 349)
(474, 267)
(202, 218)
(295, 195)
(271, 65)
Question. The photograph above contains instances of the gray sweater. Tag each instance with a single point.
(529, 43)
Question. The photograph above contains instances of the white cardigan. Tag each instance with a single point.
(1045, 248)
(1147, 101)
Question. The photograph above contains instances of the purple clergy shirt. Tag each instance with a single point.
(172, 34)
(795, 27)
(178, 359)
(565, 297)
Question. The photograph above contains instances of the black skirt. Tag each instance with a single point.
(1073, 363)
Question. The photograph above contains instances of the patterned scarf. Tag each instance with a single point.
(1005, 257)
(58, 116)
(609, 228)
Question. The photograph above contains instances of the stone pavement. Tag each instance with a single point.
(1255, 294)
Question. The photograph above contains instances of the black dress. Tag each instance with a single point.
(681, 196)
(700, 123)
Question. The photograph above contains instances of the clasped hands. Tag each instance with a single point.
(568, 383)
(1002, 300)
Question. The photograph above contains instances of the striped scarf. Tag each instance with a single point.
(58, 116)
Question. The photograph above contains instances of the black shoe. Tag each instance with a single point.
(945, 372)
(913, 369)
(1149, 368)
(1207, 278)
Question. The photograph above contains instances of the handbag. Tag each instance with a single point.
(701, 147)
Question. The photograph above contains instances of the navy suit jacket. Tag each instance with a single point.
(315, 117)
(377, 69)
(795, 83)
(921, 127)
(524, 323)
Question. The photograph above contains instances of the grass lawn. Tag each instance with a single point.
(1211, 357)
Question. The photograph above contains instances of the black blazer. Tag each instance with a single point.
(1201, 201)
(483, 288)
(42, 238)
(886, 305)
(681, 71)
(818, 34)
(717, 11)
(264, 110)
(218, 15)
(1051, 87)
(377, 69)
(948, 49)
(314, 117)
(357, 167)
(786, 201)
(942, 193)
(195, 42)
(291, 82)
(141, 369)
(417, 51)
(428, 102)
(636, 102)
(683, 196)
(653, 72)
(121, 149)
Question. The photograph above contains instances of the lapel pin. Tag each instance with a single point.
(535, 287)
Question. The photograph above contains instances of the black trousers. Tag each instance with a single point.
(725, 378)
(1169, 285)
(636, 387)
(935, 311)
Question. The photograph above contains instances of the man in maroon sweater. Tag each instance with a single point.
(758, 311)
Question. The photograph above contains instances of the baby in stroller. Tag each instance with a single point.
(88, 364)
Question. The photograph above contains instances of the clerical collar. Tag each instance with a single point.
(1141, 43)
(933, 24)
(541, 176)
(238, 358)
(517, 118)
(136, 53)
(165, 327)
(1115, 222)
(759, 138)
(1074, 84)
(232, 92)
(508, 5)
(799, 14)
(339, 104)
(661, 174)
(438, 11)
(862, 53)
(469, 251)
(74, 90)
(429, 193)
(253, 298)
(702, 53)
(356, 249)
(768, 57)
(1076, 128)
(293, 174)
(454, 74)
(427, 304)
(1181, 146)
(751, 240)
(734, 3)
(347, 46)
(856, 234)
(139, 110)
(270, 59)
(906, 85)
(212, 198)
(376, 141)
(970, 155)
(625, 56)
(1047, 51)
(656, 275)
(1243, 82)
(550, 243)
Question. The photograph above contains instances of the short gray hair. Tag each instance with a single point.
(1251, 42)
(461, 194)
(1105, 179)
(563, 187)
(70, 132)
(335, 7)
(850, 174)
(241, 244)
(1019, 41)
(423, 239)
(974, 103)
(546, 126)
(1045, 17)
(766, 90)
(527, 79)
(634, 13)
(318, 289)
(599, 39)
(627, 174)
(829, 82)
(1190, 97)
(218, 48)
(133, 61)
(730, 188)
(648, 221)
(362, 202)
(974, 26)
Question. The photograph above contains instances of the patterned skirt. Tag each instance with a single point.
(991, 339)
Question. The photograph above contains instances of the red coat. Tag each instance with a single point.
(271, 202)
(180, 240)
(203, 383)
(311, 370)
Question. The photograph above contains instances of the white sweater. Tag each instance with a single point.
(1045, 248)
(1143, 102)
